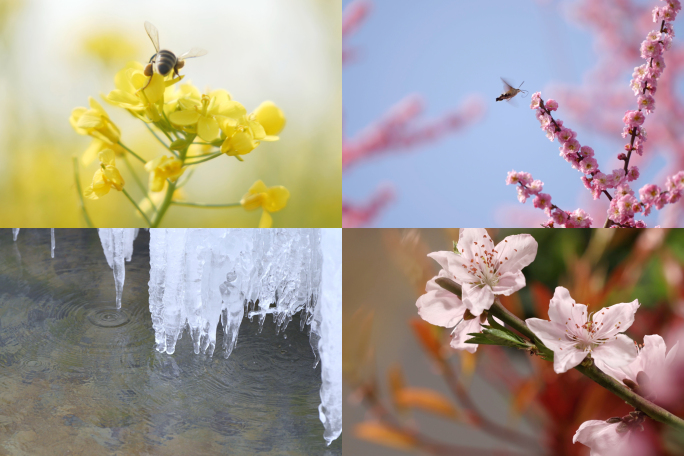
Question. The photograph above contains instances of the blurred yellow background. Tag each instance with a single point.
(57, 54)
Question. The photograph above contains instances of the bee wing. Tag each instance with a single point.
(194, 52)
(507, 86)
(153, 33)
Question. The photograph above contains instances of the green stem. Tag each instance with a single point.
(77, 178)
(638, 402)
(136, 206)
(209, 157)
(160, 140)
(132, 153)
(164, 205)
(207, 205)
(139, 182)
(171, 188)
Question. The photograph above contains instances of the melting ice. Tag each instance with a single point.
(200, 277)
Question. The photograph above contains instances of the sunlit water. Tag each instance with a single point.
(78, 376)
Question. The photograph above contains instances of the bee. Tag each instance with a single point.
(509, 91)
(165, 61)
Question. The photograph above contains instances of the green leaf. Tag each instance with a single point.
(455, 248)
(493, 323)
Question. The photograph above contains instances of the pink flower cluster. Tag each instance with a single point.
(623, 205)
(527, 187)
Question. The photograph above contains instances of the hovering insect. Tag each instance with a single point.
(509, 91)
(163, 61)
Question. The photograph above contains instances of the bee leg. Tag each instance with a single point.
(148, 83)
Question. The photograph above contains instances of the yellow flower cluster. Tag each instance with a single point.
(183, 115)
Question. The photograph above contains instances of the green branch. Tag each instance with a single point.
(77, 178)
(208, 157)
(136, 206)
(207, 205)
(133, 153)
(139, 182)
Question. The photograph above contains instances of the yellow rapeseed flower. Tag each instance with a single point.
(106, 177)
(204, 115)
(96, 123)
(271, 199)
(245, 132)
(162, 168)
(128, 93)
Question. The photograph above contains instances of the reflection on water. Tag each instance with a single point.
(78, 376)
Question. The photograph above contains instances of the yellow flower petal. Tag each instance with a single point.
(270, 117)
(207, 128)
(257, 187)
(276, 198)
(155, 90)
(266, 220)
(91, 153)
(242, 143)
(97, 107)
(184, 118)
(107, 156)
(232, 109)
(257, 130)
(90, 119)
(250, 202)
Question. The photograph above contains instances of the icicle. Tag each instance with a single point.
(117, 244)
(15, 233)
(330, 344)
(52, 243)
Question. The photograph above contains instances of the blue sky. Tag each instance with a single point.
(446, 50)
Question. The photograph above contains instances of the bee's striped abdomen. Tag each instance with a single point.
(166, 61)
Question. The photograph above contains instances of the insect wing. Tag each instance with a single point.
(194, 52)
(153, 33)
(506, 85)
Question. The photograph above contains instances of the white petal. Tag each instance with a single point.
(565, 354)
(564, 310)
(652, 356)
(509, 283)
(520, 249)
(441, 308)
(614, 319)
(469, 240)
(616, 352)
(453, 264)
(672, 354)
(477, 298)
(601, 437)
(460, 335)
(552, 334)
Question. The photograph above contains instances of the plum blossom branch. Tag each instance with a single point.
(591, 371)
(623, 205)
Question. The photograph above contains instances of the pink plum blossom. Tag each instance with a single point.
(647, 103)
(543, 201)
(634, 118)
(579, 219)
(588, 165)
(536, 98)
(484, 270)
(551, 105)
(572, 335)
